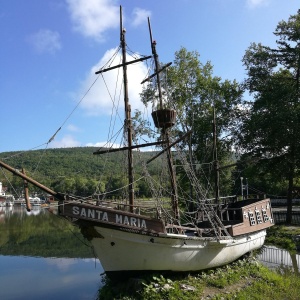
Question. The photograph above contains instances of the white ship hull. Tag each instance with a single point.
(126, 251)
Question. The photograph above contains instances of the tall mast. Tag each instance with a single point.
(153, 47)
(165, 130)
(128, 124)
(215, 159)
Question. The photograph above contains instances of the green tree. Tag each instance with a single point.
(271, 124)
(196, 92)
(193, 91)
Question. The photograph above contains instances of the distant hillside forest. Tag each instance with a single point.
(76, 171)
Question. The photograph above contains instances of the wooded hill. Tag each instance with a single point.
(74, 170)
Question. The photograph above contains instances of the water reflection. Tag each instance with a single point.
(275, 258)
(41, 258)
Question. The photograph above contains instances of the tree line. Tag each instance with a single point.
(75, 171)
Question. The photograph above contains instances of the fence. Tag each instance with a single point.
(274, 257)
(280, 217)
(283, 202)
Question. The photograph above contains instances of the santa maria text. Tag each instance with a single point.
(110, 217)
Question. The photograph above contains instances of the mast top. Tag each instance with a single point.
(121, 24)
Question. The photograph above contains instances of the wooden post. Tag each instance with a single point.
(26, 194)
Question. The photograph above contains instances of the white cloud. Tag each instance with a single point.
(46, 40)
(65, 142)
(73, 128)
(256, 3)
(99, 100)
(93, 17)
(103, 144)
(140, 16)
(62, 264)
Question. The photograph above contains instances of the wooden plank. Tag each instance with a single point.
(110, 150)
(243, 228)
(256, 216)
(103, 215)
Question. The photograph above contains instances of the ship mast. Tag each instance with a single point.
(215, 159)
(165, 128)
(128, 124)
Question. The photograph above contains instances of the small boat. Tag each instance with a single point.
(35, 201)
(130, 237)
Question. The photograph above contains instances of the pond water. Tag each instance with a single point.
(44, 257)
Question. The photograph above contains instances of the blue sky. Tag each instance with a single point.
(50, 50)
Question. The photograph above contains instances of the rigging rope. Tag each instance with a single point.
(71, 113)
(207, 208)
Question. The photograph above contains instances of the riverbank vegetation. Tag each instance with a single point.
(285, 237)
(243, 279)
